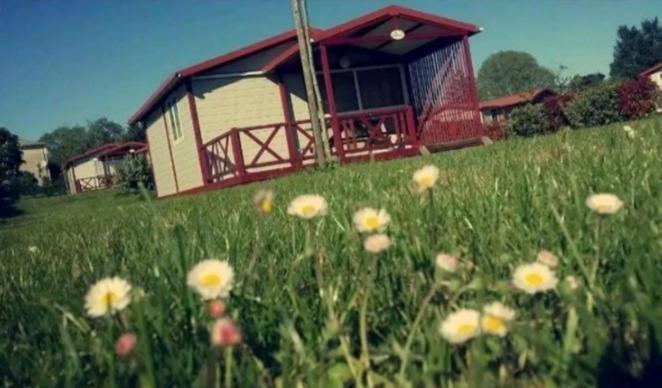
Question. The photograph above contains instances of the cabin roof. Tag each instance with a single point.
(514, 99)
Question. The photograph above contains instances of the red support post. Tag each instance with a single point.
(331, 101)
(204, 167)
(290, 130)
(235, 142)
(411, 127)
(73, 174)
(472, 82)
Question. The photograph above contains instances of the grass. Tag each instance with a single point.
(315, 309)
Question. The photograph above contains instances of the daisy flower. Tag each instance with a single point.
(604, 203)
(211, 278)
(572, 282)
(495, 319)
(534, 277)
(369, 220)
(307, 206)
(547, 258)
(426, 177)
(461, 326)
(108, 295)
(377, 243)
(264, 201)
(446, 262)
(33, 249)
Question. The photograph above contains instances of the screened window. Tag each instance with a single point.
(173, 115)
(358, 89)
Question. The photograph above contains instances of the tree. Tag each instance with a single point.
(510, 72)
(636, 49)
(102, 131)
(134, 132)
(10, 161)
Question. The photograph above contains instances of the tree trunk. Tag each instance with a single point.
(305, 53)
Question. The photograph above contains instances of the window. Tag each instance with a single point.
(358, 89)
(173, 115)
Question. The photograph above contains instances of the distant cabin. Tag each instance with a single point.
(96, 169)
(654, 74)
(498, 109)
(35, 160)
(391, 81)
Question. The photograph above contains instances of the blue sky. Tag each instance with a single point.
(64, 62)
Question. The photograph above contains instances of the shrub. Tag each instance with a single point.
(528, 120)
(595, 106)
(553, 107)
(26, 183)
(133, 173)
(637, 98)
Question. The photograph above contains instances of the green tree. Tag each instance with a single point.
(510, 72)
(134, 133)
(636, 49)
(10, 161)
(582, 82)
(65, 142)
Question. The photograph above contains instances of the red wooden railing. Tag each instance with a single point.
(258, 152)
(95, 183)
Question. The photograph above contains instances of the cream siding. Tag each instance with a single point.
(227, 103)
(164, 179)
(253, 62)
(184, 150)
(35, 160)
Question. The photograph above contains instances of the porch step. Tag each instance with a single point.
(455, 145)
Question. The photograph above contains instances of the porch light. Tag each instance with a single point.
(397, 34)
(345, 62)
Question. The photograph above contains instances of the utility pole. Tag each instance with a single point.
(312, 92)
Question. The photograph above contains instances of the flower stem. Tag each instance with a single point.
(228, 367)
(414, 328)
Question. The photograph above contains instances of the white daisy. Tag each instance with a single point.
(604, 203)
(211, 278)
(108, 295)
(426, 177)
(307, 206)
(495, 319)
(461, 326)
(369, 220)
(264, 201)
(534, 277)
(377, 243)
(446, 262)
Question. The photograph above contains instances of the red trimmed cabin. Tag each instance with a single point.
(391, 81)
(96, 168)
(498, 109)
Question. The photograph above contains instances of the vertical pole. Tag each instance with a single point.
(331, 100)
(308, 74)
(472, 85)
(199, 147)
(73, 174)
(290, 130)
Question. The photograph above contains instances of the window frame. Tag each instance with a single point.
(357, 87)
(175, 123)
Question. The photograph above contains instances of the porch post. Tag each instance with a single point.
(331, 102)
(472, 82)
(290, 130)
(199, 146)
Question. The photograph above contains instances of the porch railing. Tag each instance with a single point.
(98, 182)
(258, 152)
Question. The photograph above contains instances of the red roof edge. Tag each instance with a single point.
(104, 149)
(394, 11)
(513, 99)
(175, 78)
(651, 70)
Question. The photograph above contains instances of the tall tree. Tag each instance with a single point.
(581, 82)
(510, 72)
(10, 161)
(636, 49)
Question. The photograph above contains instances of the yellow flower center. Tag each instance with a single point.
(425, 181)
(372, 222)
(493, 325)
(210, 280)
(307, 210)
(534, 279)
(109, 299)
(266, 206)
(466, 329)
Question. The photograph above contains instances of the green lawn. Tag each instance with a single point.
(315, 308)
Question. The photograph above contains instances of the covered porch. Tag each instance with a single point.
(390, 82)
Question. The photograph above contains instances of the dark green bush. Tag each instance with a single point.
(594, 106)
(528, 120)
(133, 173)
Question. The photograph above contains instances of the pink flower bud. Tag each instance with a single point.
(216, 309)
(125, 344)
(225, 333)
